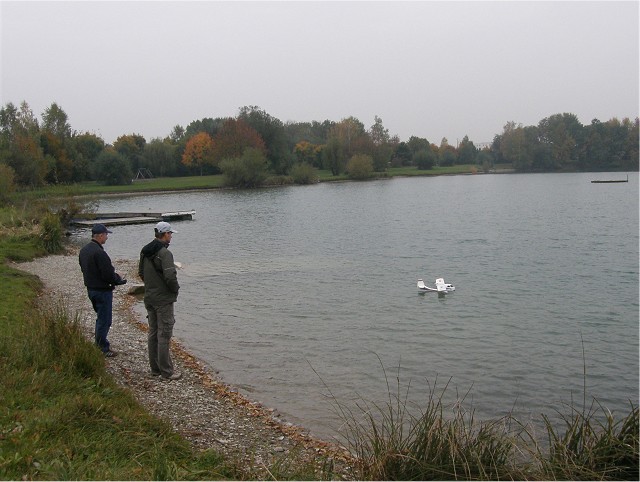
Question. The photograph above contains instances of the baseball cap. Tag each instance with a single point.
(163, 227)
(99, 229)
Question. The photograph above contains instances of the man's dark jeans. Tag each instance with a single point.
(102, 302)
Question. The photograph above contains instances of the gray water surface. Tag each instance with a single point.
(293, 293)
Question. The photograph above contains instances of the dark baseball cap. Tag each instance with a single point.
(99, 229)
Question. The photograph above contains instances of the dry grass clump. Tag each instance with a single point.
(591, 446)
(441, 441)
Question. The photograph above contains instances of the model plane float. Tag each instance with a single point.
(441, 287)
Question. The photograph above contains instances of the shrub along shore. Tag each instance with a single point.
(51, 373)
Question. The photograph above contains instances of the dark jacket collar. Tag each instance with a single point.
(152, 248)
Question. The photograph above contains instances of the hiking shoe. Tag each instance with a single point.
(174, 376)
(110, 354)
(153, 374)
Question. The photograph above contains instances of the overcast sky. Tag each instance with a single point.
(429, 69)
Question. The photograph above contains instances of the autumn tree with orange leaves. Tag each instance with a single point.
(233, 138)
(199, 151)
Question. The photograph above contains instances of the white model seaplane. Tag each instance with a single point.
(441, 286)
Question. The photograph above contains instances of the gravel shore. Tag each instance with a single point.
(200, 406)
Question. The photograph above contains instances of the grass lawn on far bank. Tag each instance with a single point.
(205, 182)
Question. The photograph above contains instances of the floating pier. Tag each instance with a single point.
(613, 180)
(120, 219)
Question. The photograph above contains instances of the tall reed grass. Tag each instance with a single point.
(397, 440)
(591, 446)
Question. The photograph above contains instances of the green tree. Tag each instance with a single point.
(631, 155)
(20, 145)
(247, 171)
(447, 154)
(131, 147)
(272, 132)
(360, 167)
(159, 157)
(418, 144)
(112, 168)
(561, 134)
(381, 146)
(313, 132)
(382, 156)
(60, 165)
(56, 122)
(379, 135)
(209, 125)
(87, 147)
(617, 135)
(606, 146)
(535, 153)
(177, 134)
(467, 151)
(352, 136)
(304, 173)
(55, 141)
(333, 156)
(402, 155)
(425, 159)
(511, 144)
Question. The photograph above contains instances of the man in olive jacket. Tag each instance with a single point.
(158, 271)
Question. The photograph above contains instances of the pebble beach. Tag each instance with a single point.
(203, 408)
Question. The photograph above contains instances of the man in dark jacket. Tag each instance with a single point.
(158, 271)
(100, 278)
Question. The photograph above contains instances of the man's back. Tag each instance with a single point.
(97, 270)
(158, 271)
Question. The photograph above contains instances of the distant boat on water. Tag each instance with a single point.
(610, 181)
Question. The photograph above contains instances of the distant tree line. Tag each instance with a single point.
(254, 145)
(561, 142)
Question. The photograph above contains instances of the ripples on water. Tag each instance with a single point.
(286, 289)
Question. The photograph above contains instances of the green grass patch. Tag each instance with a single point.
(436, 171)
(201, 182)
(150, 185)
(62, 416)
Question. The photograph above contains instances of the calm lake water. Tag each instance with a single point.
(293, 293)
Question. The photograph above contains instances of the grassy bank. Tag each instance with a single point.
(62, 416)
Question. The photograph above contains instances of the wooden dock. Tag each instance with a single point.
(597, 181)
(121, 219)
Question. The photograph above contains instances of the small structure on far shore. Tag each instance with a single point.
(143, 174)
